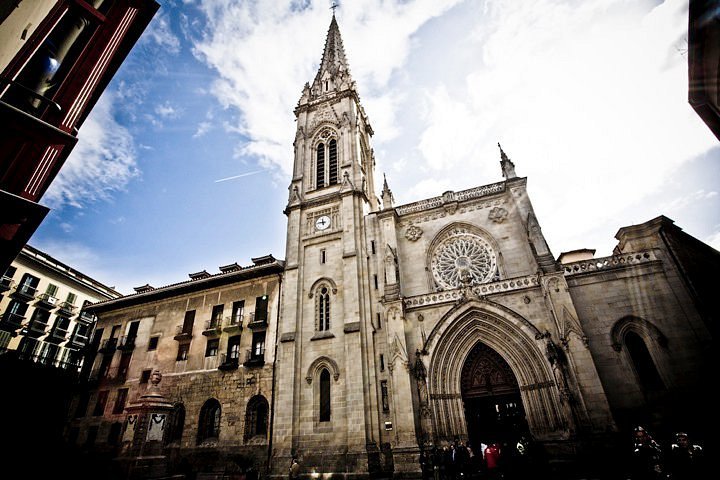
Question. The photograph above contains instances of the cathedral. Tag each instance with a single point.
(390, 329)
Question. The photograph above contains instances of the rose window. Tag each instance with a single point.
(463, 258)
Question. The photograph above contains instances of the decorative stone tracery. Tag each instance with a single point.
(461, 257)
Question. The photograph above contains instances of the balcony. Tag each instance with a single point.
(46, 301)
(233, 323)
(11, 322)
(108, 345)
(213, 328)
(181, 334)
(126, 343)
(25, 292)
(259, 321)
(79, 341)
(38, 328)
(6, 283)
(228, 363)
(255, 359)
(87, 318)
(66, 309)
(57, 335)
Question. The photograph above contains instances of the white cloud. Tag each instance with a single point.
(167, 110)
(160, 32)
(102, 161)
(588, 98)
(714, 240)
(266, 50)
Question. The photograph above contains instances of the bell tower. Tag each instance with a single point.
(322, 411)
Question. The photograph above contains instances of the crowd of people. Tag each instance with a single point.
(460, 461)
(683, 460)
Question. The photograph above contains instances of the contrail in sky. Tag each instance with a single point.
(237, 176)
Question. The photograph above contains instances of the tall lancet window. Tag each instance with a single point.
(320, 165)
(333, 167)
(324, 309)
(324, 395)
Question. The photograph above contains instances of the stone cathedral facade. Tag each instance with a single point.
(394, 328)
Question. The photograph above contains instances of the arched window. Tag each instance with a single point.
(324, 395)
(209, 428)
(320, 166)
(333, 167)
(177, 424)
(324, 309)
(642, 361)
(256, 417)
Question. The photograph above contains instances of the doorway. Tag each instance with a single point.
(491, 397)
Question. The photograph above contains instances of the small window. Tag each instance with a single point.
(324, 395)
(100, 404)
(145, 376)
(379, 323)
(376, 281)
(261, 308)
(188, 322)
(382, 362)
(212, 348)
(81, 408)
(91, 436)
(183, 351)
(71, 297)
(384, 392)
(120, 401)
(153, 343)
(258, 342)
(9, 273)
(372, 246)
(51, 289)
(256, 417)
(217, 314)
(209, 427)
(114, 434)
(322, 256)
(237, 312)
(233, 351)
(333, 163)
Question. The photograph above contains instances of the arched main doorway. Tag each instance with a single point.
(491, 398)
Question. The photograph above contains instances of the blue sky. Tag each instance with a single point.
(588, 98)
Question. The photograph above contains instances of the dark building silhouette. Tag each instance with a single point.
(704, 61)
(56, 59)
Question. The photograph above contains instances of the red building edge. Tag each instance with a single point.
(704, 61)
(47, 90)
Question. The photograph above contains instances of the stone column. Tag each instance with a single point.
(147, 421)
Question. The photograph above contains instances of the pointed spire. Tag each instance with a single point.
(508, 167)
(334, 72)
(387, 196)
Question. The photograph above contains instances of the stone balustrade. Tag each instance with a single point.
(607, 263)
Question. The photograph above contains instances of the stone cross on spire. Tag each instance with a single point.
(508, 167)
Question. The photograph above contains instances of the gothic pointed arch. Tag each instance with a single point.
(519, 344)
(322, 363)
(646, 330)
(643, 346)
(322, 281)
(325, 155)
(463, 253)
(209, 422)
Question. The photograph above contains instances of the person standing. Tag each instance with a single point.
(685, 461)
(646, 461)
(294, 469)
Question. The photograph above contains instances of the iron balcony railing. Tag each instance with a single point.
(45, 300)
(66, 309)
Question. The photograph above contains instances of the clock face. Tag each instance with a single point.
(322, 222)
